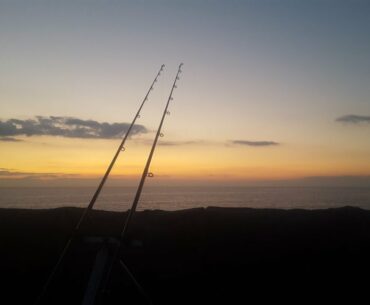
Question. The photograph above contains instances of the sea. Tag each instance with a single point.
(178, 198)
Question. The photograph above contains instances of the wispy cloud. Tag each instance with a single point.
(68, 127)
(255, 143)
(14, 174)
(179, 143)
(9, 139)
(354, 119)
(171, 143)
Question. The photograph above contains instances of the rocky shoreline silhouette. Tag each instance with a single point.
(196, 256)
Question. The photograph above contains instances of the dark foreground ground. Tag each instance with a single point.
(198, 256)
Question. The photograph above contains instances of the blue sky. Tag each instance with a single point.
(280, 71)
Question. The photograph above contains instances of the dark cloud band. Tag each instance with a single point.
(255, 143)
(64, 127)
(354, 119)
(9, 139)
(13, 174)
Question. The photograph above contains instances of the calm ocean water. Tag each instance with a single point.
(174, 198)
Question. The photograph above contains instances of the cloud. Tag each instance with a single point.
(354, 119)
(178, 143)
(9, 139)
(171, 143)
(13, 174)
(10, 173)
(68, 127)
(255, 143)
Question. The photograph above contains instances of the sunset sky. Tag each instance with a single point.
(270, 90)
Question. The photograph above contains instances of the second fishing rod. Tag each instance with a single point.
(145, 174)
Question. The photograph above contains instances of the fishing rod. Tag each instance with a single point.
(146, 170)
(88, 209)
(145, 174)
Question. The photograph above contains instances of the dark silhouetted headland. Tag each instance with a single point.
(196, 256)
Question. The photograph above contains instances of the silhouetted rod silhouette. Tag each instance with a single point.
(143, 177)
(97, 192)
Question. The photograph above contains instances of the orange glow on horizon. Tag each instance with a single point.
(88, 159)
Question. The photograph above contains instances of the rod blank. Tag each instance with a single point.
(88, 209)
(145, 174)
